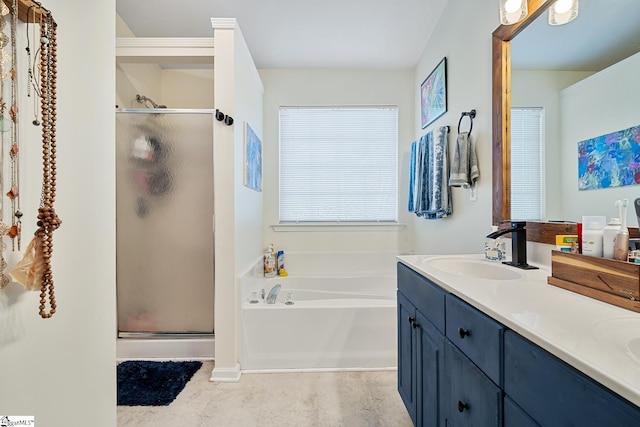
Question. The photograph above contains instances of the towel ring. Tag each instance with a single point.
(472, 115)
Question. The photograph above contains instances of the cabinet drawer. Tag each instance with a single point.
(427, 297)
(478, 336)
(554, 393)
(470, 398)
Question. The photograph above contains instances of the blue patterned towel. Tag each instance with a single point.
(431, 194)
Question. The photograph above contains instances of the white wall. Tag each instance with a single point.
(603, 103)
(463, 35)
(62, 370)
(542, 89)
(238, 210)
(333, 87)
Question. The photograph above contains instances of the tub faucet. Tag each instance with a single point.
(518, 244)
(273, 294)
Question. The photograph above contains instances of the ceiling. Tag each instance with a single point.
(603, 33)
(383, 34)
(380, 34)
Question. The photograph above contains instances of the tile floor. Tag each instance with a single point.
(321, 399)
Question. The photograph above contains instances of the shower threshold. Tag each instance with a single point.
(172, 335)
(155, 346)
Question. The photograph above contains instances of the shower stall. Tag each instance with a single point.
(164, 233)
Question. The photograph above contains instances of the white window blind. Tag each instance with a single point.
(527, 180)
(338, 164)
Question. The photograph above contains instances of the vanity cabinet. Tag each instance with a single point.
(420, 346)
(458, 367)
(554, 393)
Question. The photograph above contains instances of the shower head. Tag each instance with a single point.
(143, 100)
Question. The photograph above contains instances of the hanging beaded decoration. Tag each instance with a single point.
(48, 221)
(13, 194)
(34, 270)
(4, 126)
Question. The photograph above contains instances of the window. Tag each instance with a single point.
(527, 179)
(338, 164)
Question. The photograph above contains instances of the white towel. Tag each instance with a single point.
(464, 164)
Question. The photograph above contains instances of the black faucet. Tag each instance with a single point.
(518, 244)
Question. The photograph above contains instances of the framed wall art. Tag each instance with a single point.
(252, 159)
(611, 160)
(433, 94)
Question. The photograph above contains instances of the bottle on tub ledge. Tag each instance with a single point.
(280, 263)
(270, 262)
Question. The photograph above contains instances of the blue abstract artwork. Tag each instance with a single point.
(611, 160)
(433, 94)
(252, 159)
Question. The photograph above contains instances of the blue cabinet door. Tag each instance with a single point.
(514, 416)
(470, 398)
(407, 372)
(430, 363)
(556, 394)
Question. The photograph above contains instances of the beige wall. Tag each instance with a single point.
(333, 87)
(62, 370)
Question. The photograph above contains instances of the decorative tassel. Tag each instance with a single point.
(30, 270)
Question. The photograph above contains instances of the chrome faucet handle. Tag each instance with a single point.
(262, 293)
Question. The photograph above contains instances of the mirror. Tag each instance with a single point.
(508, 54)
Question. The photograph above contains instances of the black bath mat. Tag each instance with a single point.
(144, 383)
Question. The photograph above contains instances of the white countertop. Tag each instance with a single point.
(592, 336)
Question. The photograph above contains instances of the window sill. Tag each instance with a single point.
(333, 226)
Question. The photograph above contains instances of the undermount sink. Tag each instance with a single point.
(623, 333)
(473, 268)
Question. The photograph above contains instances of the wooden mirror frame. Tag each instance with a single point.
(501, 110)
(543, 232)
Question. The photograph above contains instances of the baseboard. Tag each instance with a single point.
(226, 375)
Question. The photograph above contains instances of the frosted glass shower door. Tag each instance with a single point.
(164, 221)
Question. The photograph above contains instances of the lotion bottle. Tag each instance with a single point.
(270, 262)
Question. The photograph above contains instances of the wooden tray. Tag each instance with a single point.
(607, 280)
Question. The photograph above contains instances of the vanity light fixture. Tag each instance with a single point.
(512, 11)
(563, 11)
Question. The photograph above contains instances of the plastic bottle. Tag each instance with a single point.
(270, 262)
(592, 239)
(609, 237)
(280, 261)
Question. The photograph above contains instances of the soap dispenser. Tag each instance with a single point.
(495, 249)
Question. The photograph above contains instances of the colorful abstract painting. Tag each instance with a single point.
(433, 94)
(252, 159)
(611, 160)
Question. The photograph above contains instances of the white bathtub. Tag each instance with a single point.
(345, 320)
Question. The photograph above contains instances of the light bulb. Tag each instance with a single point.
(511, 6)
(562, 6)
